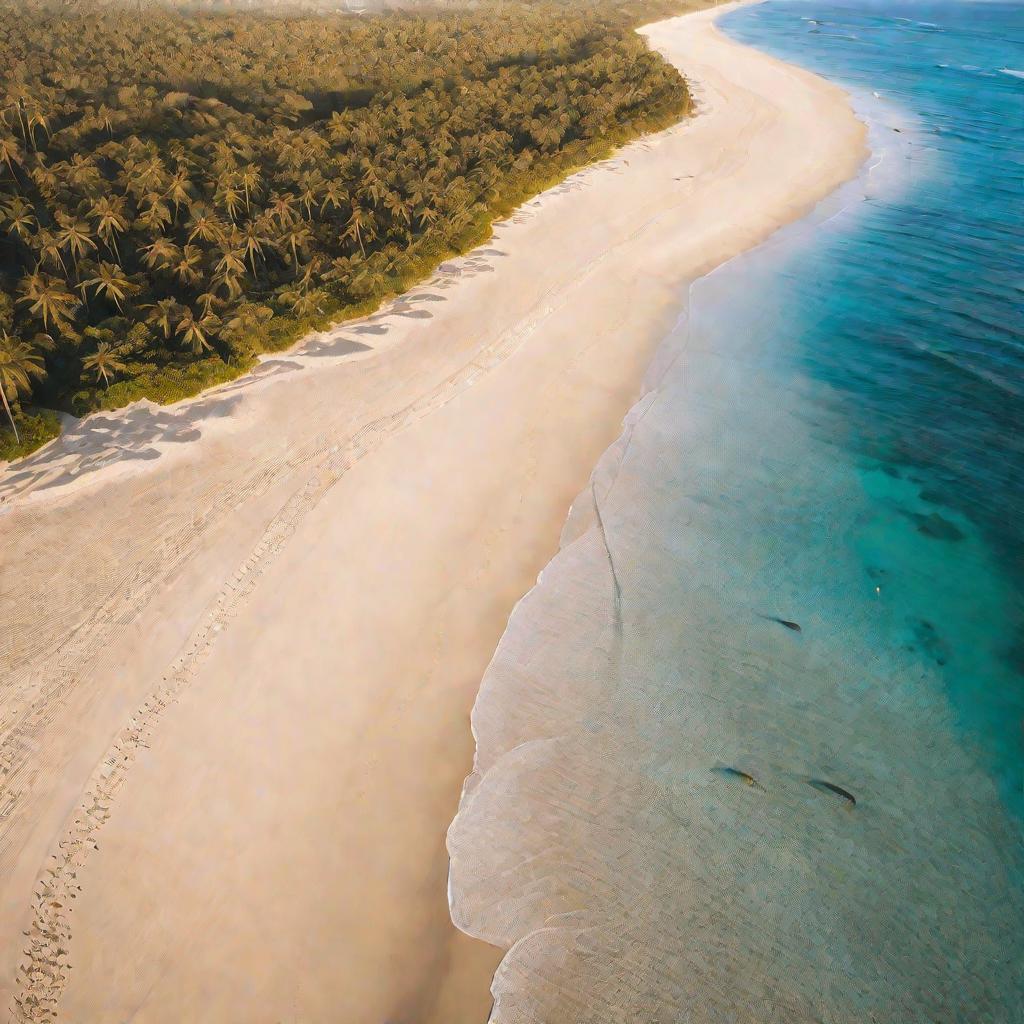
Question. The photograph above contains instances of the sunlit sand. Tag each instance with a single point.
(235, 718)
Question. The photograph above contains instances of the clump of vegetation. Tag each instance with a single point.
(182, 189)
(34, 430)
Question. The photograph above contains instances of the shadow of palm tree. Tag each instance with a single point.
(104, 439)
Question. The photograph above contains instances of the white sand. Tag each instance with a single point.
(317, 562)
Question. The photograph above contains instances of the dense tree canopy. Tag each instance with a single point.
(182, 188)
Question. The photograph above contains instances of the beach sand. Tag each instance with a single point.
(243, 634)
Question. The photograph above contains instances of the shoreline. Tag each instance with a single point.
(384, 511)
(641, 667)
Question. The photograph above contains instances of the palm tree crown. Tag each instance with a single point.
(104, 361)
(19, 363)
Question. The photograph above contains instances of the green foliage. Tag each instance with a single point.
(35, 430)
(181, 190)
(161, 384)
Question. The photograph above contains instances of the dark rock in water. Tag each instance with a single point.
(737, 773)
(831, 787)
(795, 626)
(930, 641)
(932, 497)
(1015, 658)
(938, 527)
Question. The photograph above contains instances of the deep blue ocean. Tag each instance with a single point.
(753, 748)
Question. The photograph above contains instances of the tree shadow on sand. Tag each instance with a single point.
(102, 439)
(327, 347)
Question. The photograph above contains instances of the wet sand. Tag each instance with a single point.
(244, 633)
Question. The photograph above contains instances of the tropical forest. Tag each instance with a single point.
(184, 187)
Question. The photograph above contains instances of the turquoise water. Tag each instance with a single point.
(926, 378)
(686, 809)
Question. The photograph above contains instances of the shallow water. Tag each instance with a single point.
(832, 438)
(926, 380)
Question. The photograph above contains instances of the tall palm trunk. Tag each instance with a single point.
(23, 122)
(10, 415)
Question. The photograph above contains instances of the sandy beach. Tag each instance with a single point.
(243, 634)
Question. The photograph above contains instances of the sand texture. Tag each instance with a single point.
(243, 634)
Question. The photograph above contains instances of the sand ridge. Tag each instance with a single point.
(300, 577)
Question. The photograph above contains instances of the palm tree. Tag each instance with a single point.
(232, 261)
(155, 215)
(179, 190)
(196, 332)
(20, 217)
(165, 314)
(49, 300)
(306, 303)
(10, 153)
(37, 120)
(19, 363)
(427, 214)
(43, 176)
(82, 172)
(339, 127)
(250, 178)
(105, 119)
(75, 235)
(104, 361)
(185, 269)
(282, 209)
(110, 281)
(335, 196)
(47, 246)
(204, 224)
(341, 271)
(16, 97)
(229, 197)
(207, 300)
(161, 252)
(32, 284)
(110, 221)
(248, 319)
(230, 270)
(253, 241)
(150, 175)
(358, 224)
(310, 188)
(295, 237)
(397, 207)
(372, 184)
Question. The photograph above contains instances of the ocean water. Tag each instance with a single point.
(686, 809)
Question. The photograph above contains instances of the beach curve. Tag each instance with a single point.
(380, 496)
